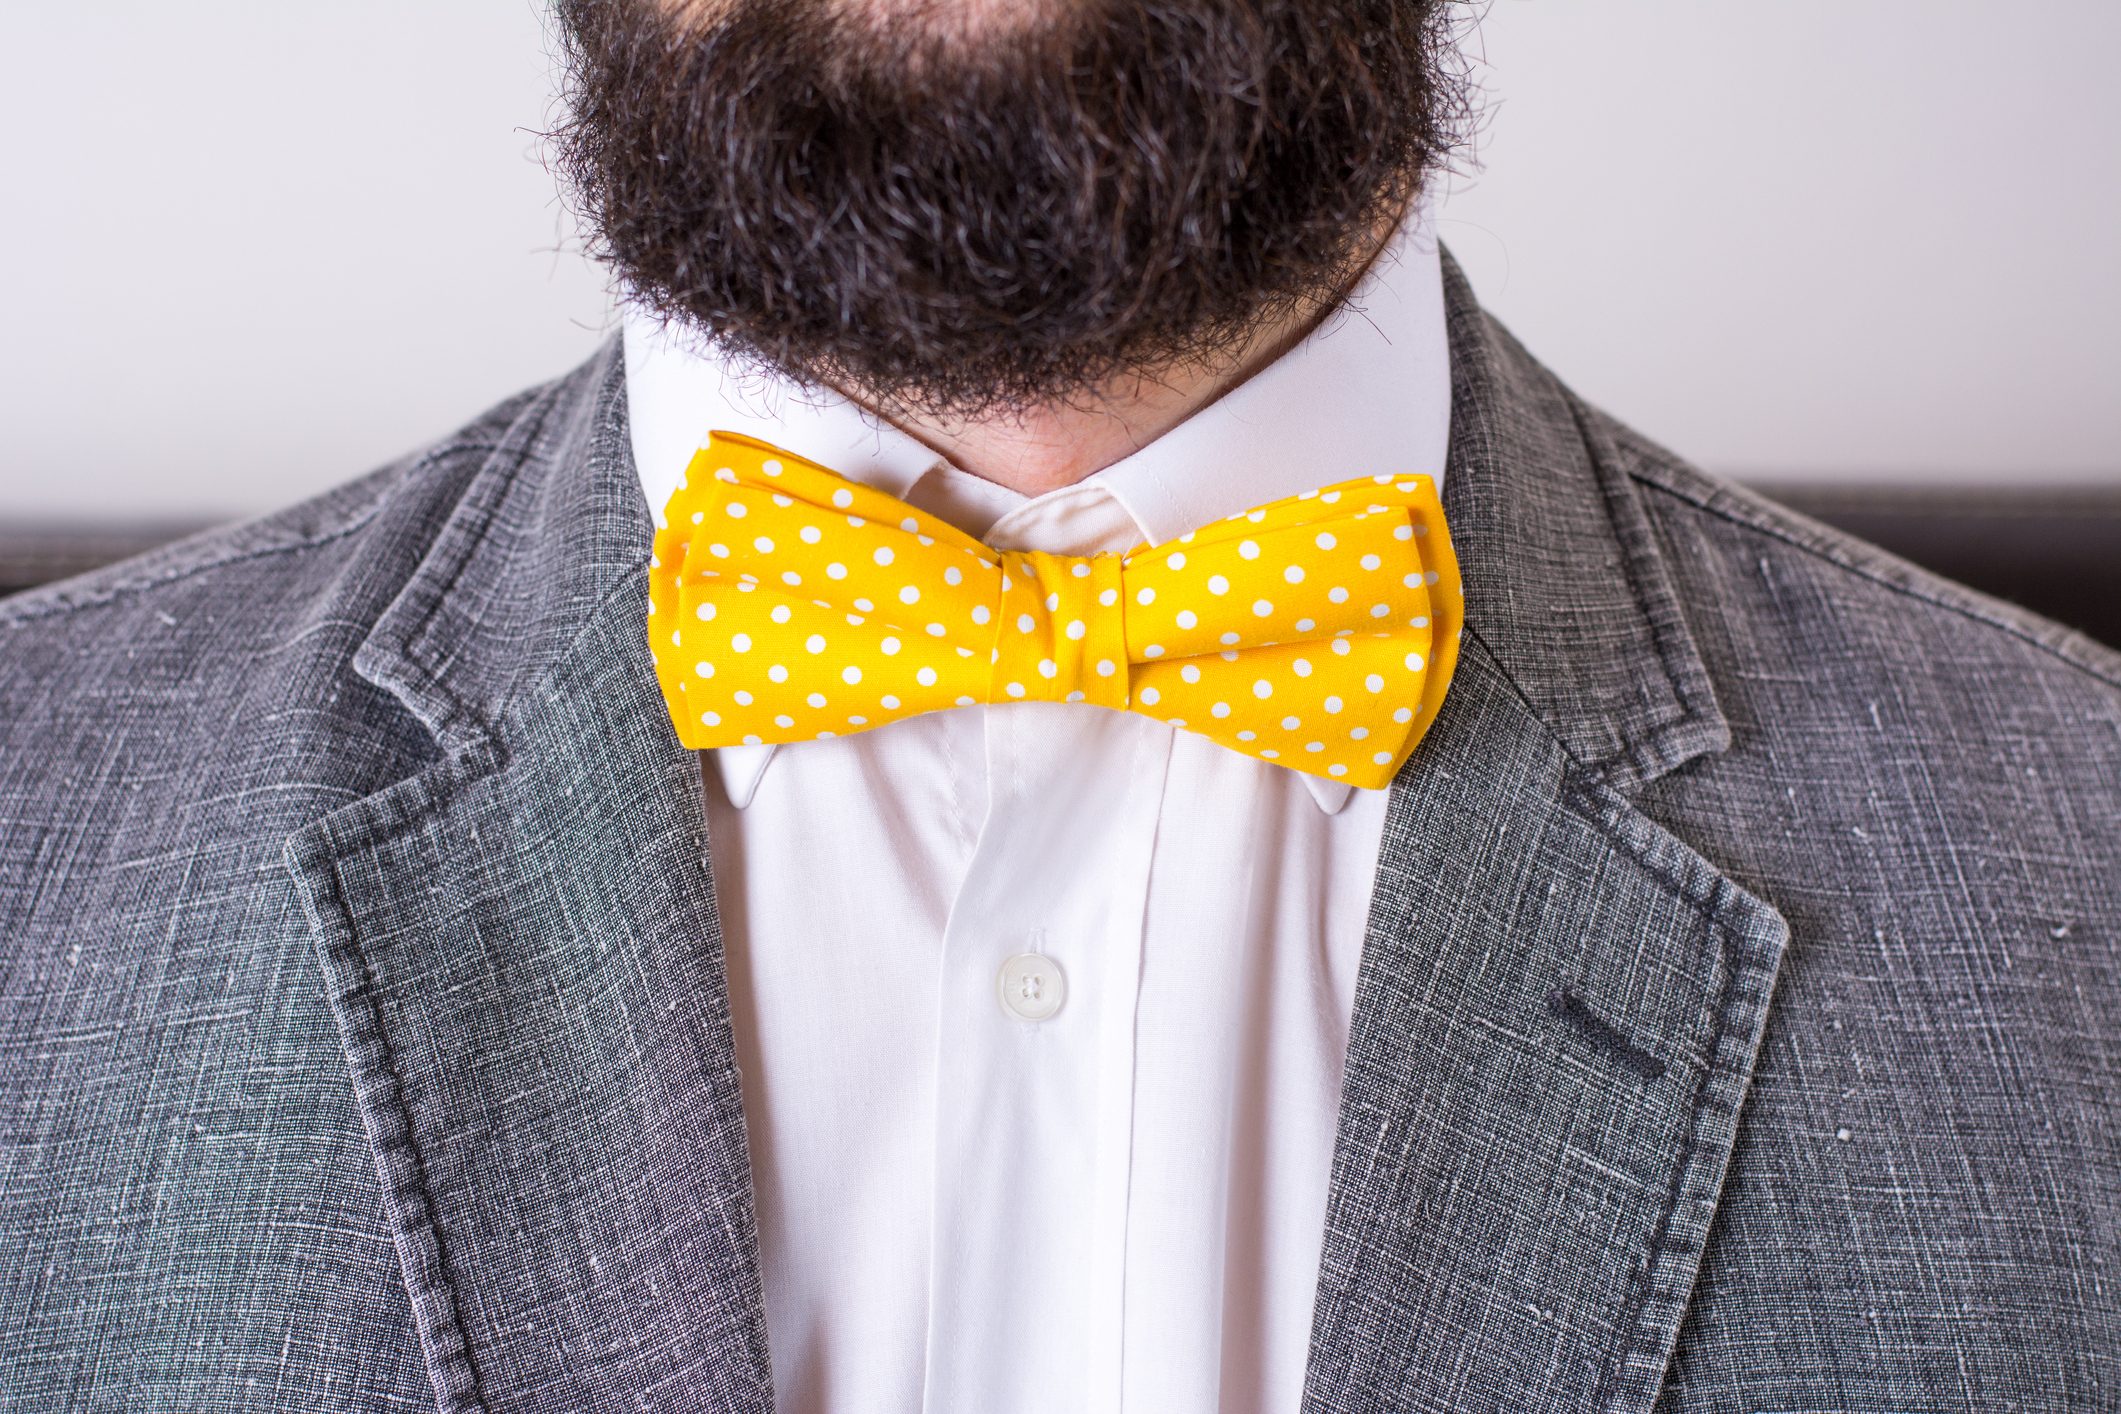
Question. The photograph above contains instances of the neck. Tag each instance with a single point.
(1041, 448)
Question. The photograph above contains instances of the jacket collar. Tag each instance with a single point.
(1565, 585)
(1560, 1003)
(521, 949)
(1554, 1027)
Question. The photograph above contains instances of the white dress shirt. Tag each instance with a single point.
(1041, 1008)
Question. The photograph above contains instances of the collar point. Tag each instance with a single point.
(1332, 796)
(742, 768)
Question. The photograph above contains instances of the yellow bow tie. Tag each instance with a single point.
(787, 603)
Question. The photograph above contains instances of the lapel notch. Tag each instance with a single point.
(1560, 1002)
(521, 950)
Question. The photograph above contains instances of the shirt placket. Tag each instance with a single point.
(1041, 964)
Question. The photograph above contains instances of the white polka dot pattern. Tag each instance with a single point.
(787, 603)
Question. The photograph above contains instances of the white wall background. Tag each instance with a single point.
(249, 249)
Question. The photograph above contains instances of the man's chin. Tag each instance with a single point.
(1029, 220)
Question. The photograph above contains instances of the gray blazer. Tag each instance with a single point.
(1739, 1026)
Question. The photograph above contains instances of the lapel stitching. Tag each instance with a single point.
(556, 845)
(1750, 938)
(312, 859)
(1560, 1003)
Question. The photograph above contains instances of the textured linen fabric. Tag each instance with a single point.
(1119, 1206)
(1735, 1027)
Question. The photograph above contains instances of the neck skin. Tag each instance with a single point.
(1043, 448)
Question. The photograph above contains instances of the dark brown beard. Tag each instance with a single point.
(951, 225)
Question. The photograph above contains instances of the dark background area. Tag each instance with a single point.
(2055, 550)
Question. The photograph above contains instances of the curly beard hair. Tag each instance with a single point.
(950, 220)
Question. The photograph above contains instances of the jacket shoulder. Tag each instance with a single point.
(327, 526)
(1821, 571)
(237, 642)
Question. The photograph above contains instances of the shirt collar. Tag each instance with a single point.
(1368, 390)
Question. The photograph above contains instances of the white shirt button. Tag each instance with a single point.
(1031, 986)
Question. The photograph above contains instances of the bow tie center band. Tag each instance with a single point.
(788, 603)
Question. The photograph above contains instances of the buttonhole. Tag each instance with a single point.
(1569, 1005)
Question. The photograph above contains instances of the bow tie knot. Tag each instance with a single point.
(1061, 635)
(787, 603)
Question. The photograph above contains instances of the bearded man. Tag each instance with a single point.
(1062, 782)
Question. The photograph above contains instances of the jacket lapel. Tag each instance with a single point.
(1560, 1002)
(1555, 1021)
(521, 947)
